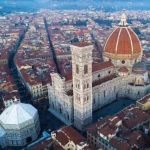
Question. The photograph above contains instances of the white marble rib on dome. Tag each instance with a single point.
(17, 114)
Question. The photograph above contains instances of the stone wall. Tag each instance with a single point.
(61, 103)
(118, 63)
(18, 137)
(103, 94)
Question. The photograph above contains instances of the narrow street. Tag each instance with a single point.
(21, 88)
(51, 46)
(96, 45)
(47, 120)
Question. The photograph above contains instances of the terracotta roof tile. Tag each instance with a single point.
(105, 79)
(110, 45)
(123, 69)
(101, 65)
(119, 144)
(145, 99)
(70, 92)
(122, 41)
(67, 134)
(80, 44)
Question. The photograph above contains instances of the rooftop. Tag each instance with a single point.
(17, 114)
(145, 99)
(132, 115)
(128, 43)
(123, 69)
(119, 144)
(101, 65)
(42, 144)
(105, 79)
(81, 44)
(67, 134)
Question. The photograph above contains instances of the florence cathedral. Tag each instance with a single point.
(88, 87)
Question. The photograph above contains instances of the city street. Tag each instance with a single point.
(48, 121)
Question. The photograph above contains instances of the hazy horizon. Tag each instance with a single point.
(8, 6)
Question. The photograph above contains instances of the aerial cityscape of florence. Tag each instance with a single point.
(74, 75)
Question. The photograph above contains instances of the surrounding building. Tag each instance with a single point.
(10, 36)
(121, 131)
(44, 144)
(88, 78)
(19, 124)
(144, 103)
(68, 138)
(89, 87)
(65, 138)
(34, 59)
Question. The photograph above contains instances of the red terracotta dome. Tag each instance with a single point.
(122, 42)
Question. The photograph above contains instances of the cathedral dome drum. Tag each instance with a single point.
(123, 47)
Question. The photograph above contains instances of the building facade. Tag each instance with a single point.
(68, 138)
(82, 84)
(144, 103)
(19, 125)
(120, 131)
(35, 88)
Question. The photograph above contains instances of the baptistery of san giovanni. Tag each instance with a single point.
(88, 87)
(19, 124)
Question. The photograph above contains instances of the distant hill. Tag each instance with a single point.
(9, 6)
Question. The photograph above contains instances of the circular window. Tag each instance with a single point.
(123, 62)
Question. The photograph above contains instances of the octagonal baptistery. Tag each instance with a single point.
(20, 123)
(122, 46)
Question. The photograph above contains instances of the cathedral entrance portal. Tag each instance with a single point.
(117, 95)
(29, 139)
(68, 116)
(60, 110)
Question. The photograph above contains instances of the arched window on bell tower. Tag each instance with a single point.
(87, 98)
(87, 85)
(77, 69)
(84, 86)
(78, 85)
(85, 69)
(78, 97)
